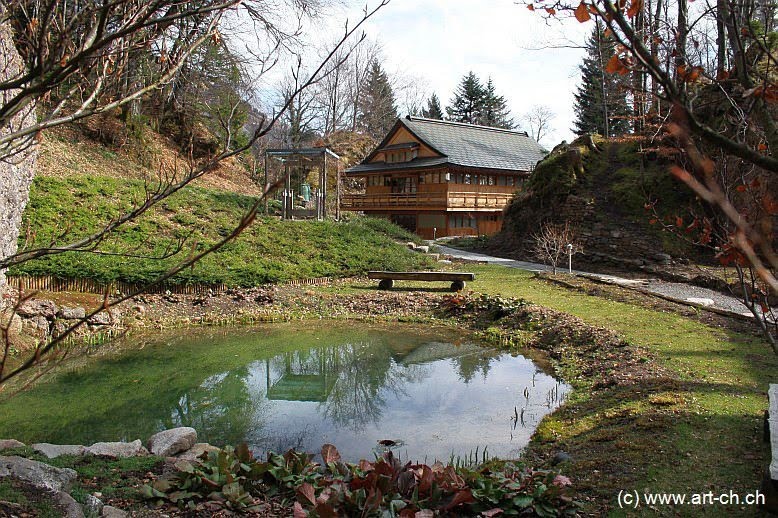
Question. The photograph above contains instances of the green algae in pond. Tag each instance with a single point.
(283, 386)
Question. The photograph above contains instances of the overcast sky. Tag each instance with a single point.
(439, 41)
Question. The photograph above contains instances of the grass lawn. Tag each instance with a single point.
(270, 250)
(698, 432)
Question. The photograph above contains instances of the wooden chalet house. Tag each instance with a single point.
(439, 178)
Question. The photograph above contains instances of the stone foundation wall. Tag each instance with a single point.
(601, 235)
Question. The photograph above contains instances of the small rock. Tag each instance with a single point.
(423, 249)
(663, 258)
(53, 451)
(444, 261)
(60, 326)
(170, 442)
(411, 245)
(38, 307)
(118, 449)
(701, 301)
(561, 457)
(37, 473)
(113, 512)
(140, 309)
(68, 504)
(7, 444)
(193, 453)
(93, 505)
(75, 313)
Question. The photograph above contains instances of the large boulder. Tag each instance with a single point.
(75, 313)
(169, 442)
(113, 512)
(7, 444)
(68, 505)
(38, 308)
(118, 449)
(193, 454)
(37, 473)
(100, 319)
(53, 451)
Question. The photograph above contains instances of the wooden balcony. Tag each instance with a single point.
(448, 201)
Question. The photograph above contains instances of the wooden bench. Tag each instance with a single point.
(770, 482)
(387, 278)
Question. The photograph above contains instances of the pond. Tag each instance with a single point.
(434, 391)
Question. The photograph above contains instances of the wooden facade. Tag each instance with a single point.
(417, 186)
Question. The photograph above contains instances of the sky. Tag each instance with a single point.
(439, 41)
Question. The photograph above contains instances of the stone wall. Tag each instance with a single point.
(16, 169)
(603, 236)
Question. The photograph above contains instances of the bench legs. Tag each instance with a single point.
(386, 284)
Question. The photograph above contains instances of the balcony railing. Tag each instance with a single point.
(440, 200)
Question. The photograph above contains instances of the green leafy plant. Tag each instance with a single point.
(225, 476)
(232, 478)
(493, 307)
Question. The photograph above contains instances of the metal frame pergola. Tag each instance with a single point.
(305, 158)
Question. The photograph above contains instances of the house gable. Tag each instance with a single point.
(400, 137)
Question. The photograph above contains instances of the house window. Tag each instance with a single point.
(393, 157)
(461, 221)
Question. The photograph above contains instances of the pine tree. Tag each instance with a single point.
(433, 109)
(495, 112)
(600, 103)
(468, 102)
(377, 109)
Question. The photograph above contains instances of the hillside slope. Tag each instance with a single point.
(615, 199)
(83, 184)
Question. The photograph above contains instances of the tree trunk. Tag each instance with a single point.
(17, 170)
(721, 36)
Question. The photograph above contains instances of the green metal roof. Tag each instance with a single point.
(463, 145)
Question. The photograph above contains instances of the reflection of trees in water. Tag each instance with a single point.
(221, 408)
(471, 364)
(363, 373)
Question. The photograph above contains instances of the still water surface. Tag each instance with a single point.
(435, 391)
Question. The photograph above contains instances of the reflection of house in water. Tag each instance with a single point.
(312, 375)
(307, 376)
(434, 351)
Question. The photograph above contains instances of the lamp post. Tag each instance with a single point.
(569, 248)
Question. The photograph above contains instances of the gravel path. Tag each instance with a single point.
(676, 290)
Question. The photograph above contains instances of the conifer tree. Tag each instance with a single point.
(600, 103)
(495, 111)
(433, 109)
(468, 103)
(378, 111)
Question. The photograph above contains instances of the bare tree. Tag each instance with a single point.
(538, 120)
(713, 91)
(85, 55)
(554, 242)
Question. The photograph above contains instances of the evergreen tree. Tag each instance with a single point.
(433, 109)
(495, 111)
(468, 102)
(377, 109)
(600, 103)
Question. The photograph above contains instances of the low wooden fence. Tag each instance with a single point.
(51, 283)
